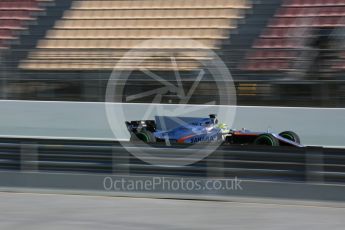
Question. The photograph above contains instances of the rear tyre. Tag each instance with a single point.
(290, 136)
(144, 136)
(267, 140)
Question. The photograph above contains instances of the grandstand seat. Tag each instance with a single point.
(308, 22)
(158, 4)
(311, 11)
(290, 28)
(20, 5)
(266, 65)
(152, 13)
(105, 30)
(15, 14)
(11, 24)
(13, 17)
(296, 32)
(279, 43)
(6, 34)
(269, 54)
(143, 33)
(308, 3)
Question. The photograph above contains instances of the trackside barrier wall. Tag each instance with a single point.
(75, 120)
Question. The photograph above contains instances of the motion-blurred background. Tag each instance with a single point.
(279, 52)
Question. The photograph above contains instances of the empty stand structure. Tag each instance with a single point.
(279, 52)
(15, 16)
(291, 35)
(95, 35)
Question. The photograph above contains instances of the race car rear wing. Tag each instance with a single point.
(137, 126)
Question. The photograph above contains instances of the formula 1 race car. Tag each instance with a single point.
(206, 130)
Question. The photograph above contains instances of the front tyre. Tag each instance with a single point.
(266, 140)
(291, 136)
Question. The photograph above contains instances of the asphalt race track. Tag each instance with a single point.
(39, 211)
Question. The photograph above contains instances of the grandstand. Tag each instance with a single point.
(93, 35)
(280, 52)
(296, 28)
(15, 16)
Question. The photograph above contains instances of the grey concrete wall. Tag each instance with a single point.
(316, 126)
(93, 184)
